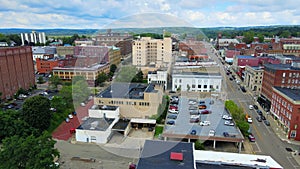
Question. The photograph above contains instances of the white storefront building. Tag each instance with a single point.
(195, 81)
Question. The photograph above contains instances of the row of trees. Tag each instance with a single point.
(11, 37)
(238, 116)
(25, 140)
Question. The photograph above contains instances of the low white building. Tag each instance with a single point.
(97, 128)
(158, 76)
(195, 81)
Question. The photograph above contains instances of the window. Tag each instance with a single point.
(193, 86)
(205, 86)
(283, 74)
(199, 86)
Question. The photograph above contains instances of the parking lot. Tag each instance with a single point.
(212, 123)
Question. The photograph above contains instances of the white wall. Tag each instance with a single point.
(101, 136)
(97, 113)
(191, 80)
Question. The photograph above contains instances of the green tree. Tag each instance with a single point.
(285, 34)
(101, 78)
(66, 94)
(11, 125)
(36, 112)
(54, 81)
(248, 37)
(261, 38)
(113, 68)
(40, 80)
(138, 78)
(28, 152)
(58, 103)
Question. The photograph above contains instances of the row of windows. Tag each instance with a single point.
(129, 103)
(294, 74)
(282, 102)
(200, 86)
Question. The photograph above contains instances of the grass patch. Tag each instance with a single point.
(57, 119)
(158, 130)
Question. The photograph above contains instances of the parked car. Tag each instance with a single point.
(258, 118)
(202, 106)
(171, 91)
(193, 108)
(70, 116)
(194, 120)
(192, 101)
(251, 137)
(251, 107)
(225, 134)
(243, 89)
(201, 102)
(193, 132)
(173, 107)
(228, 123)
(255, 107)
(173, 111)
(171, 122)
(205, 111)
(226, 117)
(259, 112)
(67, 120)
(82, 104)
(194, 112)
(267, 123)
(211, 132)
(172, 116)
(263, 117)
(204, 123)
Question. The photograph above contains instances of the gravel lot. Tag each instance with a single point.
(103, 159)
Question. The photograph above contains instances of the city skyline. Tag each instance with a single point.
(158, 13)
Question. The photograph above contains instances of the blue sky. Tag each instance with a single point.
(141, 13)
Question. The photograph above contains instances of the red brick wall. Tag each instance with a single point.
(16, 70)
(45, 66)
(280, 107)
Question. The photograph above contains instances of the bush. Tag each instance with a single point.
(199, 145)
(158, 130)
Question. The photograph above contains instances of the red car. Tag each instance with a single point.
(251, 137)
(205, 112)
(173, 108)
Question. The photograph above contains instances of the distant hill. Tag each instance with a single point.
(193, 31)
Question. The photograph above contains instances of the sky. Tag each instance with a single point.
(99, 14)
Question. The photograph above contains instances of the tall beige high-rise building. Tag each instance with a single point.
(147, 51)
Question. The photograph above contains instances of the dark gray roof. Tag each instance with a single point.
(121, 124)
(291, 93)
(156, 154)
(280, 67)
(126, 90)
(99, 124)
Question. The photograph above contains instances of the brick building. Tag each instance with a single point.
(45, 66)
(285, 108)
(16, 70)
(278, 75)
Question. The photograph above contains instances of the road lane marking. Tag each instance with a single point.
(295, 166)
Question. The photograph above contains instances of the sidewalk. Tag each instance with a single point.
(280, 133)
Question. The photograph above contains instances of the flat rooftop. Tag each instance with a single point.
(104, 107)
(280, 67)
(127, 90)
(121, 124)
(156, 154)
(234, 160)
(91, 68)
(197, 73)
(245, 57)
(291, 93)
(99, 124)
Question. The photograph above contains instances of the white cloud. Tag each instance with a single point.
(95, 13)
